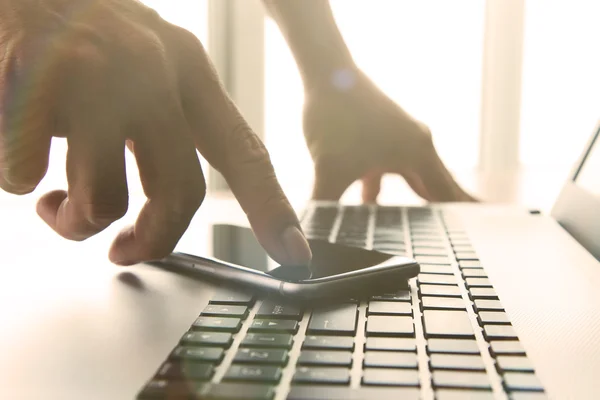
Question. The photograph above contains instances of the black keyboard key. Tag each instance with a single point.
(261, 356)
(452, 346)
(457, 362)
(238, 391)
(430, 244)
(270, 340)
(499, 332)
(389, 308)
(306, 392)
(508, 348)
(461, 380)
(391, 344)
(478, 282)
(198, 354)
(400, 295)
(493, 317)
(328, 343)
(448, 394)
(224, 310)
(440, 290)
(390, 377)
(483, 293)
(217, 324)
(217, 339)
(522, 382)
(450, 323)
(329, 376)
(430, 251)
(390, 326)
(271, 310)
(390, 359)
(433, 260)
(437, 269)
(325, 358)
(253, 373)
(443, 303)
(269, 325)
(470, 264)
(334, 320)
(513, 364)
(224, 296)
(464, 256)
(159, 389)
(186, 371)
(434, 279)
(474, 273)
(488, 305)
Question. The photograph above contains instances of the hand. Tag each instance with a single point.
(355, 132)
(102, 73)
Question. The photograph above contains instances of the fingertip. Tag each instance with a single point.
(123, 248)
(296, 247)
(48, 205)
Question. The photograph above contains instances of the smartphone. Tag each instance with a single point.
(336, 271)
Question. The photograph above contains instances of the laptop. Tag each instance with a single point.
(506, 306)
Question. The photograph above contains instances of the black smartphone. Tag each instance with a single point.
(336, 271)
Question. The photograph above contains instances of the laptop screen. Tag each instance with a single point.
(588, 177)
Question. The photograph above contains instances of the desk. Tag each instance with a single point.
(50, 287)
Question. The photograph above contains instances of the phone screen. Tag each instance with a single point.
(238, 245)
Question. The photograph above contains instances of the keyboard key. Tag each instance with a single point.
(452, 346)
(253, 373)
(400, 295)
(463, 248)
(461, 380)
(528, 396)
(429, 244)
(430, 251)
(268, 325)
(432, 260)
(198, 354)
(228, 391)
(323, 358)
(391, 344)
(470, 264)
(499, 332)
(168, 389)
(390, 359)
(488, 305)
(330, 376)
(457, 362)
(443, 303)
(189, 371)
(483, 293)
(390, 377)
(389, 307)
(448, 323)
(328, 342)
(271, 340)
(435, 279)
(474, 273)
(437, 269)
(224, 310)
(390, 326)
(478, 282)
(224, 296)
(464, 255)
(271, 310)
(508, 348)
(440, 290)
(217, 324)
(489, 317)
(207, 339)
(334, 320)
(522, 382)
(261, 356)
(305, 392)
(461, 395)
(513, 364)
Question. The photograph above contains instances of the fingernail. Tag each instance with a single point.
(296, 246)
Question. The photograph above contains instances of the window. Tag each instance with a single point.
(425, 55)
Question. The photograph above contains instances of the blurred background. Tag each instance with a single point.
(509, 88)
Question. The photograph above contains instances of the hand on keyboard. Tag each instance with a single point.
(358, 133)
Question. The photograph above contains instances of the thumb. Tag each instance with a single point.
(371, 187)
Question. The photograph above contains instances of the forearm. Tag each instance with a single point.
(313, 36)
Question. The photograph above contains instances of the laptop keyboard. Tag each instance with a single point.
(444, 335)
